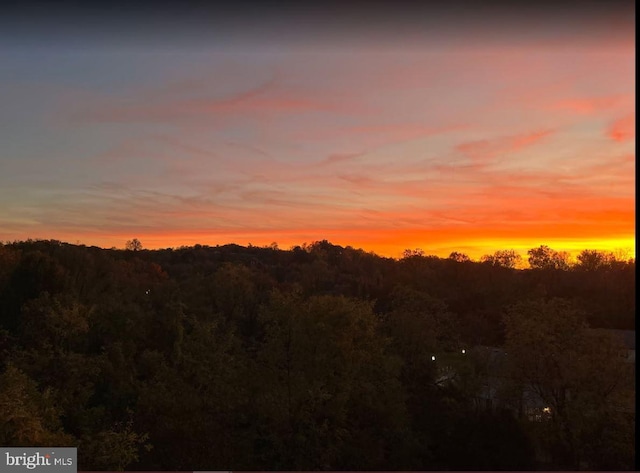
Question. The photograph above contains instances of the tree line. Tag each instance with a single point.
(320, 357)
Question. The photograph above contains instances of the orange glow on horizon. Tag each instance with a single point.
(471, 148)
(383, 242)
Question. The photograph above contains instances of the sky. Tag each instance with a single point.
(449, 128)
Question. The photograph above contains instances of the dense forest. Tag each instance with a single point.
(319, 357)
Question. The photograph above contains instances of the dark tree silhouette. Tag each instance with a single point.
(316, 358)
(591, 260)
(575, 371)
(544, 257)
(408, 253)
(133, 245)
(459, 257)
(504, 258)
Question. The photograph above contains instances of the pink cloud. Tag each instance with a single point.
(372, 137)
(341, 157)
(402, 132)
(592, 105)
(623, 129)
(483, 151)
(267, 98)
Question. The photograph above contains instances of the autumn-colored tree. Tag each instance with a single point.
(208, 379)
(112, 449)
(29, 417)
(575, 371)
(329, 390)
(54, 322)
(320, 357)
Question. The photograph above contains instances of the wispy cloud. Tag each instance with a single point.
(485, 151)
(265, 99)
(623, 129)
(337, 158)
(592, 105)
(437, 145)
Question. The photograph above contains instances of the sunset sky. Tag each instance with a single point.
(445, 129)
